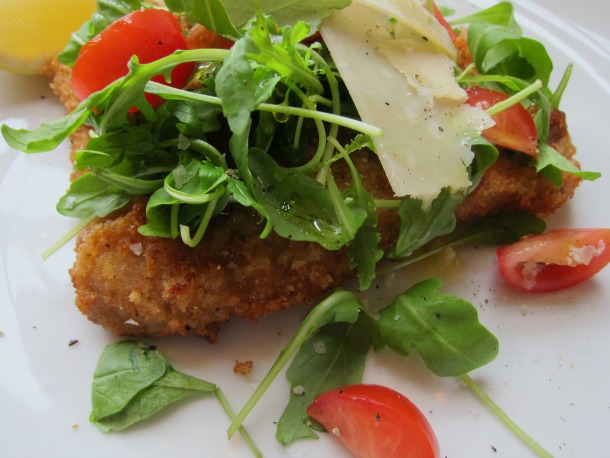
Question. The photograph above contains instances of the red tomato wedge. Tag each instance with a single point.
(514, 127)
(149, 34)
(374, 421)
(555, 260)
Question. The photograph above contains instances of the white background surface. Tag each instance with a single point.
(552, 375)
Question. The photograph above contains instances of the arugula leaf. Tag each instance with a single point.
(241, 193)
(499, 229)
(209, 13)
(49, 135)
(283, 12)
(184, 197)
(498, 46)
(485, 154)
(495, 229)
(90, 195)
(501, 14)
(551, 164)
(283, 58)
(132, 382)
(300, 207)
(444, 330)
(419, 225)
(195, 120)
(131, 184)
(364, 251)
(497, 49)
(335, 356)
(340, 307)
(159, 211)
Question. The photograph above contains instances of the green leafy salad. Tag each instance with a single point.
(260, 125)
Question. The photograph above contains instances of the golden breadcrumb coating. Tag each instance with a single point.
(149, 286)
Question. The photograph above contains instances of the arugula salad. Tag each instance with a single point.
(261, 125)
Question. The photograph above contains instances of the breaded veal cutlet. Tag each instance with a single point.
(134, 285)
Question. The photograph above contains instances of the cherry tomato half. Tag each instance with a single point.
(149, 34)
(555, 260)
(200, 37)
(514, 127)
(375, 421)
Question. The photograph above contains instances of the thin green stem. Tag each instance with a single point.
(411, 260)
(185, 232)
(66, 237)
(466, 71)
(512, 426)
(174, 224)
(343, 121)
(556, 97)
(244, 433)
(305, 330)
(387, 204)
(310, 165)
(514, 99)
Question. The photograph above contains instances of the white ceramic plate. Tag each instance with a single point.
(552, 375)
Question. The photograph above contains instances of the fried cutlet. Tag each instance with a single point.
(149, 286)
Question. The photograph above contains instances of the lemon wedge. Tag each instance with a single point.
(33, 31)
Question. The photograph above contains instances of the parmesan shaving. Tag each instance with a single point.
(405, 85)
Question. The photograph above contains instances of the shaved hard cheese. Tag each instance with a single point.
(414, 18)
(404, 83)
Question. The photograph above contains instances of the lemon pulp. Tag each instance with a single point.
(33, 31)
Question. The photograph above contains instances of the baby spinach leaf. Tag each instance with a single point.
(132, 382)
(172, 387)
(444, 330)
(123, 370)
(335, 356)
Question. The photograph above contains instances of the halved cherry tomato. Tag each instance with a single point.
(375, 421)
(149, 34)
(555, 260)
(514, 127)
(201, 37)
